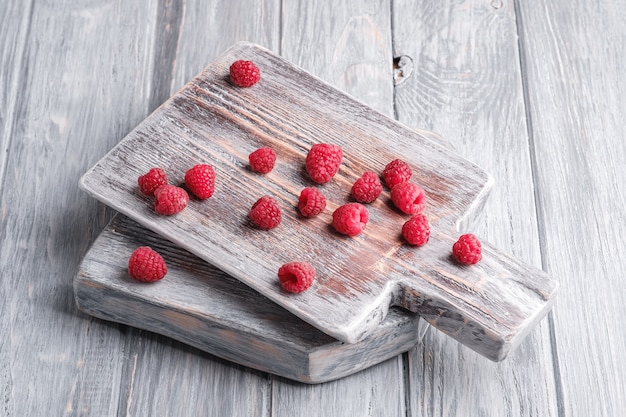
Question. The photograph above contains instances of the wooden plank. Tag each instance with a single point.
(346, 45)
(202, 306)
(375, 392)
(14, 28)
(335, 40)
(166, 376)
(189, 35)
(573, 68)
(55, 360)
(206, 31)
(490, 306)
(466, 85)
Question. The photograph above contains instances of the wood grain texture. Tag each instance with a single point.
(203, 307)
(206, 31)
(333, 46)
(490, 307)
(200, 384)
(14, 28)
(573, 66)
(356, 54)
(54, 360)
(466, 85)
(78, 75)
(14, 23)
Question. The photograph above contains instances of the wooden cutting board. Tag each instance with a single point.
(489, 307)
(200, 305)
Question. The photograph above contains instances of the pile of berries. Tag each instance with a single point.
(322, 163)
(170, 199)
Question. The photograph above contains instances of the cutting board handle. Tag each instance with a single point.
(489, 307)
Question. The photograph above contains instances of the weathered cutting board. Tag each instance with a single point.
(202, 306)
(489, 306)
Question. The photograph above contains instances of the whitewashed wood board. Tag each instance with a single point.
(489, 307)
(200, 305)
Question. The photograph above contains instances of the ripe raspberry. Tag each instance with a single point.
(244, 73)
(146, 265)
(265, 213)
(350, 219)
(408, 197)
(467, 250)
(200, 179)
(170, 199)
(152, 180)
(367, 188)
(416, 230)
(322, 162)
(262, 160)
(296, 276)
(396, 172)
(311, 202)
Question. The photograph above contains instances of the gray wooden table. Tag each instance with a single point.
(533, 91)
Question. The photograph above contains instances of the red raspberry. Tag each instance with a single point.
(311, 202)
(152, 180)
(350, 219)
(408, 197)
(467, 250)
(262, 160)
(265, 213)
(244, 73)
(200, 179)
(296, 276)
(322, 162)
(367, 188)
(416, 230)
(170, 199)
(146, 265)
(396, 172)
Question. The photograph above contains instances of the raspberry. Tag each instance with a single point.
(296, 276)
(350, 219)
(408, 197)
(170, 199)
(416, 230)
(146, 265)
(467, 250)
(244, 73)
(396, 172)
(200, 179)
(262, 160)
(322, 162)
(265, 213)
(152, 180)
(311, 202)
(367, 188)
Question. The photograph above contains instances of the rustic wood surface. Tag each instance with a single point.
(530, 91)
(452, 81)
(202, 306)
(490, 306)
